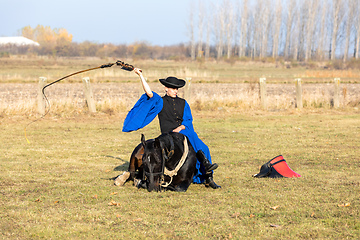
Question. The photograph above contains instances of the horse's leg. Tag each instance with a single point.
(171, 188)
(183, 186)
(135, 164)
(121, 179)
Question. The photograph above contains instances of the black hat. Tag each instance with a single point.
(172, 82)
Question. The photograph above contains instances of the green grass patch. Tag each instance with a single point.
(58, 185)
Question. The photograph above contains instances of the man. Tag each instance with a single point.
(174, 115)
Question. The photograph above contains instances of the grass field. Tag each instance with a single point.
(58, 187)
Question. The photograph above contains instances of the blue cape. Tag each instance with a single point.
(143, 112)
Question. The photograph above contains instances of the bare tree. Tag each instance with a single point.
(349, 23)
(298, 28)
(219, 30)
(336, 20)
(251, 34)
(357, 27)
(255, 31)
(276, 35)
(302, 26)
(208, 34)
(265, 27)
(260, 24)
(243, 29)
(291, 4)
(297, 34)
(200, 28)
(312, 11)
(191, 31)
(322, 33)
(229, 26)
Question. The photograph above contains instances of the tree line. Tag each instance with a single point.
(293, 29)
(58, 42)
(299, 30)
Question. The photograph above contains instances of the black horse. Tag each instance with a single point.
(167, 162)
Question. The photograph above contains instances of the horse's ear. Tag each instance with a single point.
(143, 140)
(157, 143)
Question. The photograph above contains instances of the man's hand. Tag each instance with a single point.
(138, 71)
(179, 128)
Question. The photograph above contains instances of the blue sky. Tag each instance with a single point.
(158, 22)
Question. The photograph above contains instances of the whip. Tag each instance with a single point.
(124, 66)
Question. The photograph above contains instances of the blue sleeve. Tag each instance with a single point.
(143, 112)
(187, 118)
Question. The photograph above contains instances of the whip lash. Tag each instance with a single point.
(124, 66)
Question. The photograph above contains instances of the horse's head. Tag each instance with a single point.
(152, 163)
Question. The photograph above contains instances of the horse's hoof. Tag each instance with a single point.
(121, 179)
(137, 182)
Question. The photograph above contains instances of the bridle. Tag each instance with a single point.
(166, 157)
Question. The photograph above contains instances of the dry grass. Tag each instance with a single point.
(112, 98)
(213, 85)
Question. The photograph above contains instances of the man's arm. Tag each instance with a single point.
(145, 85)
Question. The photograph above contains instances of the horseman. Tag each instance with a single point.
(174, 115)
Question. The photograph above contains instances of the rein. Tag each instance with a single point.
(123, 65)
(174, 172)
(164, 170)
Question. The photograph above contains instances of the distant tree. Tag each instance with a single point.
(52, 41)
(349, 23)
(357, 32)
(290, 13)
(243, 29)
(310, 24)
(219, 29)
(88, 48)
(208, 34)
(264, 26)
(337, 17)
(191, 31)
(28, 32)
(229, 26)
(277, 28)
(201, 14)
(322, 26)
(297, 34)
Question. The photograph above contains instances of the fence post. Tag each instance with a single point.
(263, 92)
(89, 95)
(187, 94)
(40, 96)
(299, 98)
(337, 93)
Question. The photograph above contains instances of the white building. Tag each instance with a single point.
(18, 41)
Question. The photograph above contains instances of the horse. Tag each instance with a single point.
(167, 162)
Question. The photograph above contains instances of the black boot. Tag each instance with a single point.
(205, 162)
(209, 182)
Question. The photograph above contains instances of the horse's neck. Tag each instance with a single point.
(178, 152)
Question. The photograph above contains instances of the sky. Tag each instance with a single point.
(157, 22)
